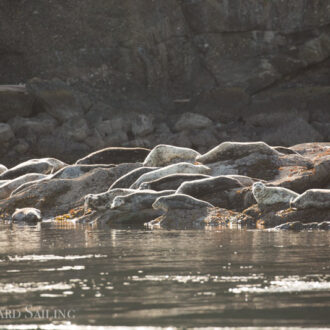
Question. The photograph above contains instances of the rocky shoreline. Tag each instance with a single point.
(250, 184)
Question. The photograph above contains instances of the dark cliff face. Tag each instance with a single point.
(227, 59)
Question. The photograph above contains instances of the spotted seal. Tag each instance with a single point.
(171, 169)
(266, 196)
(163, 155)
(104, 200)
(312, 198)
(28, 214)
(138, 200)
(172, 181)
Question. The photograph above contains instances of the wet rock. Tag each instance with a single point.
(55, 97)
(14, 101)
(42, 165)
(172, 181)
(7, 188)
(114, 155)
(128, 179)
(170, 169)
(27, 214)
(296, 225)
(163, 155)
(191, 121)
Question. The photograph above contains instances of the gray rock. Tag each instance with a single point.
(6, 133)
(191, 121)
(312, 198)
(27, 214)
(295, 225)
(142, 125)
(14, 101)
(74, 171)
(55, 97)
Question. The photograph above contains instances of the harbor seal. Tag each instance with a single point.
(312, 198)
(104, 200)
(115, 155)
(12, 185)
(138, 200)
(42, 165)
(266, 196)
(172, 181)
(3, 168)
(128, 179)
(28, 214)
(171, 169)
(179, 201)
(163, 155)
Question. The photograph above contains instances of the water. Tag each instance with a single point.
(58, 275)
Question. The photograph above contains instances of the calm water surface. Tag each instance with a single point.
(61, 274)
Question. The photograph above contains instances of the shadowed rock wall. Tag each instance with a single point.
(251, 64)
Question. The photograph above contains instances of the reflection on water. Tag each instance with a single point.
(63, 274)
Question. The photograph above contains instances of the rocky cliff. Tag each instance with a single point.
(123, 72)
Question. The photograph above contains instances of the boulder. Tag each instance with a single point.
(191, 121)
(6, 133)
(14, 101)
(115, 155)
(27, 214)
(55, 97)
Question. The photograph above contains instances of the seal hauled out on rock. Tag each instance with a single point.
(143, 199)
(266, 196)
(171, 169)
(104, 200)
(28, 214)
(180, 202)
(312, 198)
(172, 181)
(163, 155)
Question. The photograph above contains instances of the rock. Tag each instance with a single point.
(112, 132)
(128, 179)
(14, 101)
(76, 129)
(191, 121)
(179, 211)
(142, 125)
(163, 155)
(104, 200)
(57, 196)
(41, 124)
(114, 155)
(171, 182)
(312, 198)
(3, 168)
(170, 169)
(270, 196)
(292, 132)
(6, 133)
(295, 225)
(55, 97)
(324, 225)
(8, 188)
(254, 159)
(27, 214)
(42, 166)
(221, 191)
